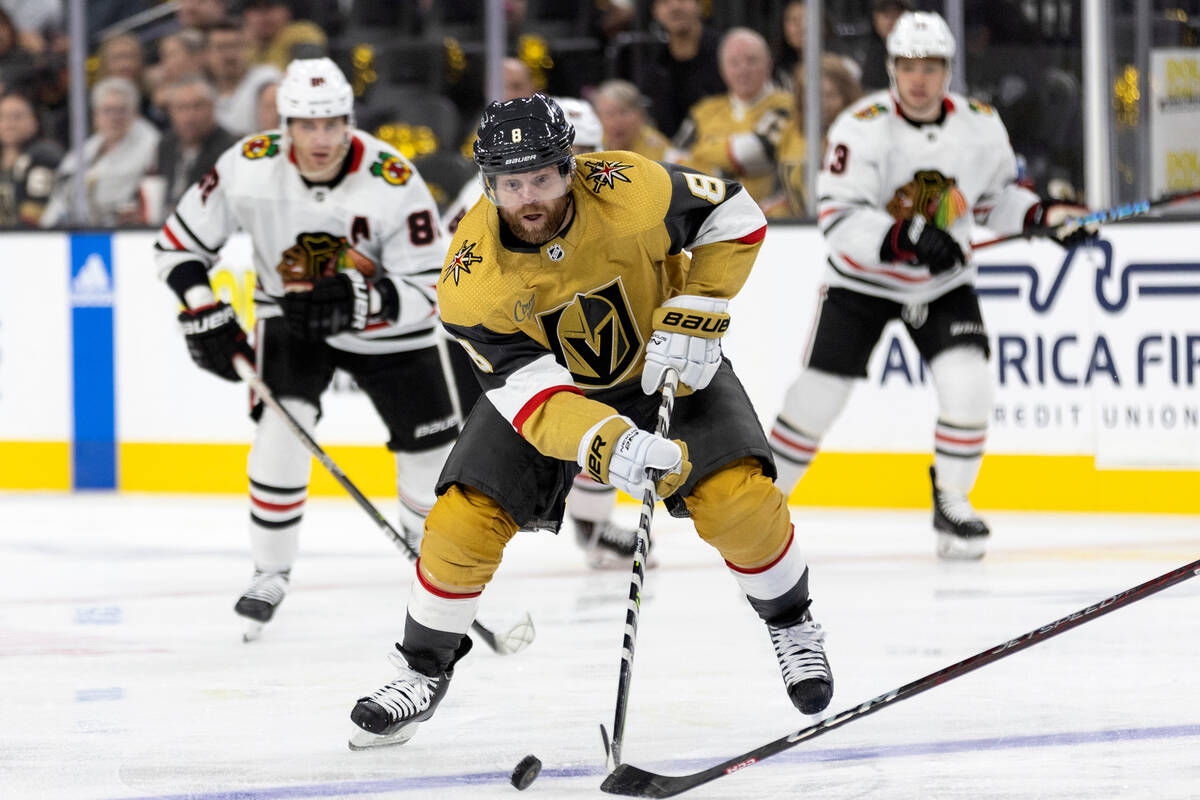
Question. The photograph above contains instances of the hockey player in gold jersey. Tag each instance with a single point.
(710, 137)
(573, 295)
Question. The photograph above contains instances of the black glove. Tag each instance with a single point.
(333, 305)
(214, 337)
(933, 247)
(1047, 220)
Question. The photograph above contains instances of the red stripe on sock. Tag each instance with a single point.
(765, 567)
(436, 592)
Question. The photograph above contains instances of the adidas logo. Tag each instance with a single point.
(91, 285)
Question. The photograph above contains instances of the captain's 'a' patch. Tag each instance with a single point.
(594, 335)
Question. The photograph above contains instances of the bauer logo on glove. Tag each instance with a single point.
(321, 255)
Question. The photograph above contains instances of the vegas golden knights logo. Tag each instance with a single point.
(594, 336)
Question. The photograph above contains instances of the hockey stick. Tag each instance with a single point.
(1124, 211)
(512, 641)
(635, 782)
(612, 747)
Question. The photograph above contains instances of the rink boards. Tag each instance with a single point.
(1095, 356)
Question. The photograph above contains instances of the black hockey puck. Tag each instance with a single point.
(526, 772)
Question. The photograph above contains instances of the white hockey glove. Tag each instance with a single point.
(686, 338)
(618, 453)
(1056, 221)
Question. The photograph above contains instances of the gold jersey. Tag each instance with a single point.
(571, 316)
(712, 123)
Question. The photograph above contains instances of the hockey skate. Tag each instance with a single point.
(258, 603)
(800, 649)
(961, 534)
(608, 546)
(391, 714)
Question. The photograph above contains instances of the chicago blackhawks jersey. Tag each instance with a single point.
(379, 206)
(546, 324)
(879, 167)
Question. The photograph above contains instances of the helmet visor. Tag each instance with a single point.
(517, 189)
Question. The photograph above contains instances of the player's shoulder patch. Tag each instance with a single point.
(263, 145)
(458, 264)
(607, 170)
(468, 249)
(871, 112)
(393, 169)
(980, 107)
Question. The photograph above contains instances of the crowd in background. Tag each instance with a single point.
(711, 84)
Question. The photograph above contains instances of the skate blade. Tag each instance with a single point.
(365, 740)
(959, 548)
(252, 631)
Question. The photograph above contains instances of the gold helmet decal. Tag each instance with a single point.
(594, 336)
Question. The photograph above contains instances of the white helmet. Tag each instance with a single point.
(588, 132)
(920, 34)
(314, 88)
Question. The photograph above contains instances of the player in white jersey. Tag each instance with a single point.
(905, 172)
(347, 248)
(590, 504)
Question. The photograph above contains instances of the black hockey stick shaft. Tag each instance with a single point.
(634, 782)
(1119, 212)
(632, 611)
(247, 373)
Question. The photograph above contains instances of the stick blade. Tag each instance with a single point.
(519, 636)
(631, 781)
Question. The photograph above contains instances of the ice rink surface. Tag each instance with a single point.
(123, 673)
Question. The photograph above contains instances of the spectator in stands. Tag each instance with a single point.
(201, 15)
(17, 65)
(684, 69)
(839, 89)
(752, 105)
(115, 158)
(27, 163)
(275, 38)
(179, 55)
(794, 30)
(873, 57)
(191, 147)
(121, 56)
(238, 83)
(622, 112)
(267, 112)
(33, 20)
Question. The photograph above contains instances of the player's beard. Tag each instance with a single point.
(536, 233)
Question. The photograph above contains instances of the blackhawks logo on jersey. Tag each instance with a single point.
(461, 263)
(391, 169)
(263, 146)
(871, 111)
(594, 335)
(979, 107)
(606, 173)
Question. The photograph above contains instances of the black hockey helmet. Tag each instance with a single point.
(523, 135)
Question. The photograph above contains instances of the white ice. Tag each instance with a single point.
(123, 673)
